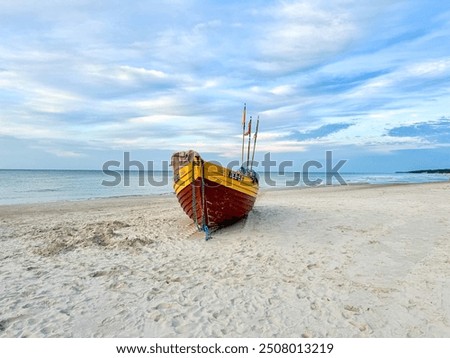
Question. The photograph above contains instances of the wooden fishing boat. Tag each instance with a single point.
(211, 195)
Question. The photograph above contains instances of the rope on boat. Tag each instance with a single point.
(203, 227)
(194, 201)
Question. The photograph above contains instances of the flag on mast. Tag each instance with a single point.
(249, 132)
(243, 132)
(255, 135)
(249, 128)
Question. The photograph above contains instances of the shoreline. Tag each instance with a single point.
(262, 190)
(332, 261)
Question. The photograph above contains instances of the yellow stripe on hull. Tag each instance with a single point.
(217, 174)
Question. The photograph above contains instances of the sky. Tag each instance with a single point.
(82, 82)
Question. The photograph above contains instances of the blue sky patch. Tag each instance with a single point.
(436, 131)
(320, 132)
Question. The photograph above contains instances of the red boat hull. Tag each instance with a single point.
(218, 206)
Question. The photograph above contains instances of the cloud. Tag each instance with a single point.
(64, 153)
(302, 34)
(300, 25)
(142, 76)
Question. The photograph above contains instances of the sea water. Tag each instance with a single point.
(35, 186)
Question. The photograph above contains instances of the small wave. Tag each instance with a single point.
(41, 190)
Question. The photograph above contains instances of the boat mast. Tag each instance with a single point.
(254, 143)
(243, 132)
(249, 139)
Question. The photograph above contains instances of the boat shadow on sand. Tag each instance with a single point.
(265, 222)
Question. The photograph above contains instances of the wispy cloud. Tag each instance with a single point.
(64, 153)
(302, 34)
(174, 74)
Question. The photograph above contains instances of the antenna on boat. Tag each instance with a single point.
(249, 139)
(243, 132)
(254, 143)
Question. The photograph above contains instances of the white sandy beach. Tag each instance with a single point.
(354, 261)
